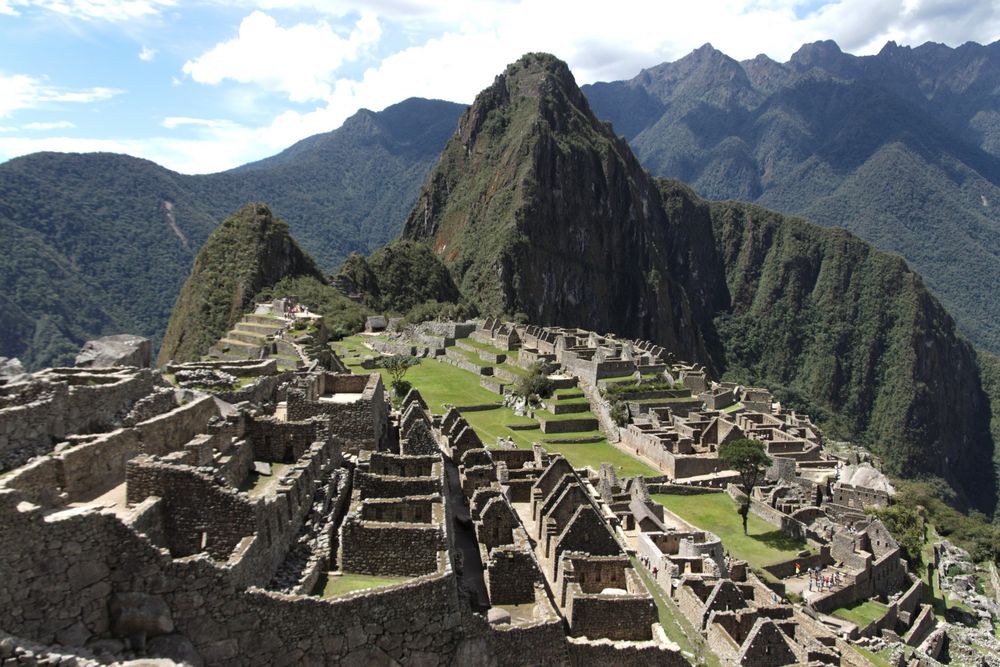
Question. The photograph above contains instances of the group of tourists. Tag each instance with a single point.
(819, 581)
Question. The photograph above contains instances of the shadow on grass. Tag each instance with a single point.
(776, 539)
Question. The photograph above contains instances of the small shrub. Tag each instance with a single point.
(619, 414)
(536, 383)
(401, 387)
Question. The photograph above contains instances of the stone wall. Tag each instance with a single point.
(30, 424)
(370, 547)
(587, 653)
(278, 441)
(199, 515)
(381, 486)
(568, 425)
(610, 616)
(511, 575)
(86, 469)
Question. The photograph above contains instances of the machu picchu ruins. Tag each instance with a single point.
(282, 504)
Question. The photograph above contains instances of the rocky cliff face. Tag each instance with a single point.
(538, 208)
(249, 251)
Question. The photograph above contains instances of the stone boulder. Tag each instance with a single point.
(117, 350)
(138, 616)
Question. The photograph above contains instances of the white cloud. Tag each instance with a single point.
(147, 54)
(451, 50)
(298, 60)
(173, 122)
(42, 127)
(90, 10)
(26, 92)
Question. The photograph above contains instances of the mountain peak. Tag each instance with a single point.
(529, 197)
(817, 54)
(249, 251)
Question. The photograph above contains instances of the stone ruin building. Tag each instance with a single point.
(202, 520)
(143, 520)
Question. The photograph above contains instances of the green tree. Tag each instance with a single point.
(535, 383)
(397, 365)
(749, 458)
(907, 525)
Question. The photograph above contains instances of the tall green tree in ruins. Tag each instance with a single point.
(749, 458)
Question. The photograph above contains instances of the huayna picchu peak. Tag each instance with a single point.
(534, 402)
(539, 208)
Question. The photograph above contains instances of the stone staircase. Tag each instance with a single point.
(257, 337)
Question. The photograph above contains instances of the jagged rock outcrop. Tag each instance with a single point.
(251, 250)
(537, 207)
(116, 350)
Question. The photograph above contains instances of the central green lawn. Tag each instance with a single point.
(862, 614)
(440, 384)
(716, 512)
(334, 585)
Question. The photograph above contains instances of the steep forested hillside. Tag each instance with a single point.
(901, 148)
(101, 243)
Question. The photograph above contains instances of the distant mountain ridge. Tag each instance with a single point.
(902, 148)
(101, 243)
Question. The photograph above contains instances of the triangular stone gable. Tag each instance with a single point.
(419, 440)
(766, 645)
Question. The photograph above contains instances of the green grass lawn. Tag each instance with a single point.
(716, 512)
(332, 586)
(440, 383)
(492, 424)
(595, 453)
(566, 416)
(489, 348)
(473, 357)
(516, 370)
(862, 614)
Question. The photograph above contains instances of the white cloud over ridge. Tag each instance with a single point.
(298, 60)
(478, 39)
(292, 53)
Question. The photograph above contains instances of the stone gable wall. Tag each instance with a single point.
(370, 547)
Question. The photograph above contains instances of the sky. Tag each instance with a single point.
(208, 85)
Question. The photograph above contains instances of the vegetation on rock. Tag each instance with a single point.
(536, 207)
(249, 251)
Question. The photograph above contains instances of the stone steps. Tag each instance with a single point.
(247, 337)
(259, 329)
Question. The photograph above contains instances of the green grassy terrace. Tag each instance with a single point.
(443, 384)
(862, 614)
(716, 512)
(330, 586)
